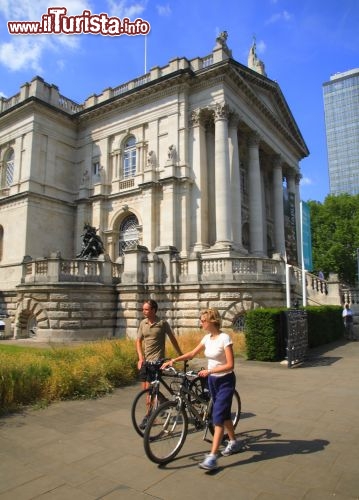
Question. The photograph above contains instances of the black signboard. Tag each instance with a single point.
(297, 336)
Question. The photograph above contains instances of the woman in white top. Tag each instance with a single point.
(218, 349)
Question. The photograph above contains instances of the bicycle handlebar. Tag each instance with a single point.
(181, 374)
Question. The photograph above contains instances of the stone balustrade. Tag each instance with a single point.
(58, 270)
(50, 93)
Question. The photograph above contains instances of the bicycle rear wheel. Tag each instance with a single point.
(166, 432)
(143, 405)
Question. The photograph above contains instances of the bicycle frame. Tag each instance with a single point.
(201, 419)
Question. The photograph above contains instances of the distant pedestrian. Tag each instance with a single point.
(321, 275)
(348, 322)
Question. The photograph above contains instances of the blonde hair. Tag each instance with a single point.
(212, 316)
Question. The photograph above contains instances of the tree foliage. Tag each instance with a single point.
(335, 236)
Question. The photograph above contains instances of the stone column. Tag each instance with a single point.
(298, 221)
(150, 222)
(200, 186)
(256, 240)
(167, 214)
(211, 223)
(140, 157)
(278, 205)
(185, 216)
(222, 179)
(291, 186)
(236, 193)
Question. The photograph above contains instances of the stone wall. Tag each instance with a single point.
(66, 312)
(60, 300)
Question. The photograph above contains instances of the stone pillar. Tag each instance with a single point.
(222, 179)
(200, 186)
(168, 227)
(298, 221)
(236, 193)
(278, 208)
(256, 241)
(211, 223)
(186, 217)
(134, 262)
(291, 186)
(150, 221)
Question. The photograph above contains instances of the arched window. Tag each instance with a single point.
(9, 167)
(238, 324)
(129, 158)
(128, 233)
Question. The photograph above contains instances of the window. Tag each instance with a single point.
(129, 158)
(238, 324)
(9, 168)
(128, 233)
(96, 168)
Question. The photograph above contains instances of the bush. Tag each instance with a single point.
(37, 375)
(325, 324)
(262, 334)
(266, 330)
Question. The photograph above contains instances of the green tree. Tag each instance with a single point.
(335, 235)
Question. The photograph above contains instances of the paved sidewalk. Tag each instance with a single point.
(300, 427)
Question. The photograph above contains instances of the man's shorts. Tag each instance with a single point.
(148, 371)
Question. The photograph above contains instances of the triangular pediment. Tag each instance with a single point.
(268, 97)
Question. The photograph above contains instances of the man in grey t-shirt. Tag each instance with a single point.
(151, 341)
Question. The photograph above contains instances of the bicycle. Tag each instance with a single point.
(147, 400)
(167, 428)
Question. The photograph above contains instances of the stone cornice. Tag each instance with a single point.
(30, 105)
(27, 196)
(145, 93)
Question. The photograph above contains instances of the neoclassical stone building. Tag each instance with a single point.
(191, 176)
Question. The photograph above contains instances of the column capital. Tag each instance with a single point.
(254, 139)
(298, 178)
(221, 111)
(233, 119)
(195, 117)
(277, 161)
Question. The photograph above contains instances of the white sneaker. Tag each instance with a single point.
(231, 448)
(209, 463)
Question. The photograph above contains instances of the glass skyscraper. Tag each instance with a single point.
(341, 110)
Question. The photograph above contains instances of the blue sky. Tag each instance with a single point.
(302, 44)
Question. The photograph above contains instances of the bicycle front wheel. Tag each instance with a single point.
(166, 432)
(143, 405)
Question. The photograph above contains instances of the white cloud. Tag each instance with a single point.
(280, 16)
(164, 10)
(261, 47)
(306, 181)
(126, 8)
(28, 10)
(25, 51)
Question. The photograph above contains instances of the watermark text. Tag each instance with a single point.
(57, 22)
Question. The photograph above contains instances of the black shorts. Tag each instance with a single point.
(148, 371)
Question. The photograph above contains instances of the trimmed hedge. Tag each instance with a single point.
(265, 330)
